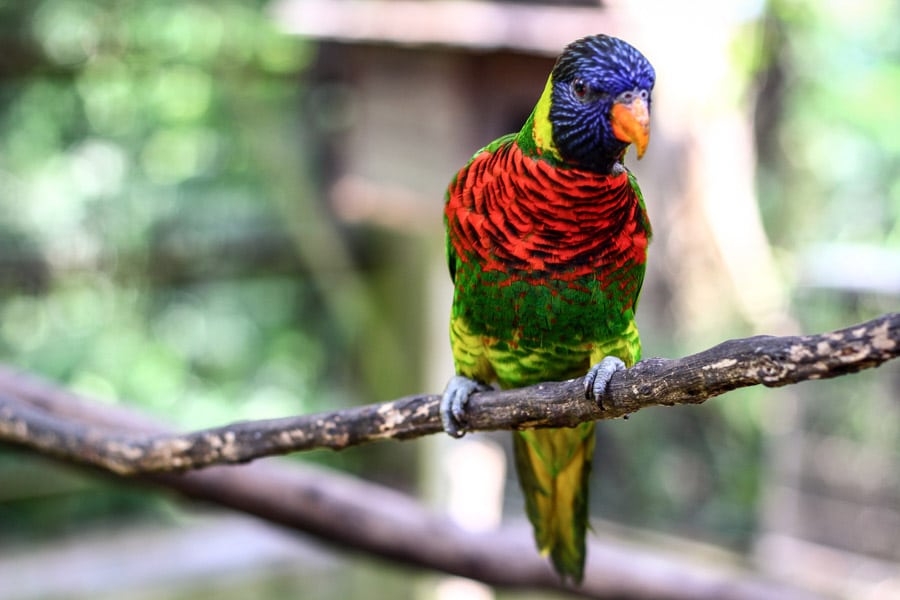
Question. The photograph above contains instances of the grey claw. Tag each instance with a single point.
(453, 404)
(597, 379)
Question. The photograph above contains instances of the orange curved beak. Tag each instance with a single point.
(631, 123)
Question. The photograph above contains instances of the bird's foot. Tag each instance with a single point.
(453, 403)
(597, 379)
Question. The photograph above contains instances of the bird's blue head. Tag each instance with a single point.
(599, 102)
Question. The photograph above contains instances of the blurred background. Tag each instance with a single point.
(215, 211)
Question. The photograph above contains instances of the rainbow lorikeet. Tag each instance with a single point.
(547, 239)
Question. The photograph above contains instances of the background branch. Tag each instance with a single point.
(767, 360)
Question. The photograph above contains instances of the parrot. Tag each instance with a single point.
(547, 236)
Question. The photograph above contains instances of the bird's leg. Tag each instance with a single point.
(597, 379)
(453, 403)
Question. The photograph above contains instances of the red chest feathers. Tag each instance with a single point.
(509, 212)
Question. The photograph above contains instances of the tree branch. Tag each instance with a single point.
(357, 515)
(362, 516)
(767, 360)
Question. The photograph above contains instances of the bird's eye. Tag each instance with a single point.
(579, 88)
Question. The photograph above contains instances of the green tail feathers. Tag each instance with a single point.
(554, 467)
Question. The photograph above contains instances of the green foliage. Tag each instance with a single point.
(128, 177)
(146, 253)
(833, 176)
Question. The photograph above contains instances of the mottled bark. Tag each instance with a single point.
(767, 360)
